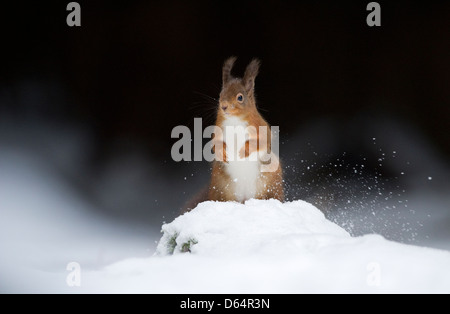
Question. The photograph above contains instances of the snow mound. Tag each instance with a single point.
(270, 247)
(256, 227)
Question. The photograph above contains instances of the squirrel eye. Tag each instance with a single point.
(240, 97)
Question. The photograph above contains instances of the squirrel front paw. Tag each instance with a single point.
(248, 148)
(243, 153)
(221, 155)
(220, 151)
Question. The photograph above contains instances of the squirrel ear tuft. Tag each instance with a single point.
(226, 70)
(250, 74)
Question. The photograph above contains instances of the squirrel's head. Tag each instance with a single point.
(238, 95)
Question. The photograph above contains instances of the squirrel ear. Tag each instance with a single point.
(226, 70)
(250, 74)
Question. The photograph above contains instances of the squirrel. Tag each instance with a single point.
(235, 177)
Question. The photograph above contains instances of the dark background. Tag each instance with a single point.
(343, 94)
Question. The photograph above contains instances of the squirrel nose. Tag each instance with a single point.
(224, 107)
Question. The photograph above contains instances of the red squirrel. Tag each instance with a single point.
(234, 176)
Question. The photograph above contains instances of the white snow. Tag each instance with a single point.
(257, 247)
(45, 225)
(270, 247)
(258, 227)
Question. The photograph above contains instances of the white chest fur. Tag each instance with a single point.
(243, 173)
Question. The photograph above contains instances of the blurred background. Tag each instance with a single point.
(86, 115)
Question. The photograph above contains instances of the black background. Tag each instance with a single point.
(132, 69)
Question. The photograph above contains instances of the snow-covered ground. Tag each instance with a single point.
(270, 247)
(45, 225)
(257, 247)
(262, 246)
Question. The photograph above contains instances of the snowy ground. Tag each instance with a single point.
(259, 247)
(269, 247)
(46, 223)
